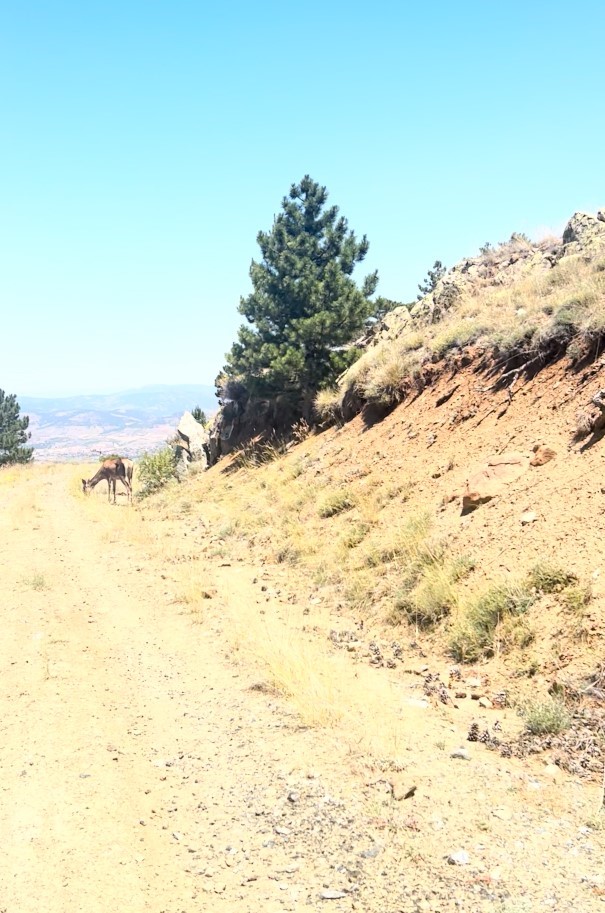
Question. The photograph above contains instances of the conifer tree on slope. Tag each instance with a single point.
(305, 307)
(13, 432)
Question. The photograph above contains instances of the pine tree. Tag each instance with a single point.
(305, 309)
(199, 415)
(13, 432)
(432, 278)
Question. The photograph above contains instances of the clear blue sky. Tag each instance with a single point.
(143, 144)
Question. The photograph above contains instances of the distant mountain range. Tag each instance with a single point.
(129, 423)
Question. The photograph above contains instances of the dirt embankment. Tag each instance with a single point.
(143, 771)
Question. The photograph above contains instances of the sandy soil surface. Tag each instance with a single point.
(141, 771)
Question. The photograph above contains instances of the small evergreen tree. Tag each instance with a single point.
(13, 432)
(199, 415)
(382, 306)
(305, 309)
(432, 278)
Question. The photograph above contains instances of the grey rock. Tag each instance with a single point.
(192, 443)
(460, 857)
(370, 853)
(461, 753)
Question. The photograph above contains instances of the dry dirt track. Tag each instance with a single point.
(139, 773)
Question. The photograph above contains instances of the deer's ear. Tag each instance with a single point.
(84, 482)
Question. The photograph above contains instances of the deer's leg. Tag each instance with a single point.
(126, 483)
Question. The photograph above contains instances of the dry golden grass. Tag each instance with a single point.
(563, 307)
(327, 404)
(322, 685)
(13, 475)
(324, 522)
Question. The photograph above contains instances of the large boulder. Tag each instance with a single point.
(241, 421)
(584, 229)
(192, 440)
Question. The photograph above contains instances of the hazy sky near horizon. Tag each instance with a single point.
(144, 144)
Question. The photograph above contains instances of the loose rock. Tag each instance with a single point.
(460, 857)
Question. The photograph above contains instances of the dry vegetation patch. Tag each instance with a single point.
(541, 316)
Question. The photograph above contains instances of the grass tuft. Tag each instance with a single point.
(548, 578)
(36, 582)
(474, 635)
(546, 717)
(336, 503)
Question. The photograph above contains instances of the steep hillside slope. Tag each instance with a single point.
(462, 531)
(363, 528)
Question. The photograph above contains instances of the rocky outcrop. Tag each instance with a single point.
(242, 419)
(584, 230)
(191, 443)
(500, 266)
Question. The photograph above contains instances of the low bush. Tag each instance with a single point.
(156, 470)
(548, 578)
(432, 598)
(355, 535)
(577, 597)
(473, 636)
(546, 717)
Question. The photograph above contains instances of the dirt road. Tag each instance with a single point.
(139, 772)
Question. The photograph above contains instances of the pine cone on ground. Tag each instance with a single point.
(473, 733)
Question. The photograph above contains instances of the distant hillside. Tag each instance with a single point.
(129, 422)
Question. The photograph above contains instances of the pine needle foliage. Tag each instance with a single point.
(305, 308)
(13, 432)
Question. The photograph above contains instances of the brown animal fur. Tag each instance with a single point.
(111, 471)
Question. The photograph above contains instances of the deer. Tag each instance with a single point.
(112, 470)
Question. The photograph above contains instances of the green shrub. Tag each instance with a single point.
(546, 717)
(473, 637)
(428, 591)
(432, 598)
(548, 578)
(156, 470)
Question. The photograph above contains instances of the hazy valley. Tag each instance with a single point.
(129, 422)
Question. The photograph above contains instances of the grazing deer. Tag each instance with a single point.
(112, 470)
